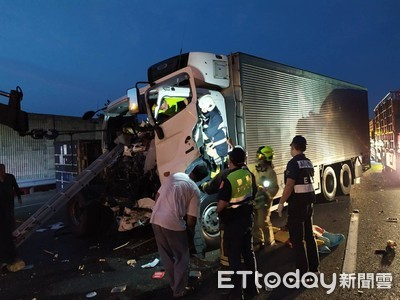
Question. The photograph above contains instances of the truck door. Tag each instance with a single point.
(174, 110)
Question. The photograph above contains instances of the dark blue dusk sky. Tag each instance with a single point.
(70, 56)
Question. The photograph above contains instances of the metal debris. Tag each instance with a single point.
(91, 295)
(54, 254)
(118, 289)
(48, 252)
(123, 245)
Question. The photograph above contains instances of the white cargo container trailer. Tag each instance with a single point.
(267, 103)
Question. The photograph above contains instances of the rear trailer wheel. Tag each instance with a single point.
(329, 183)
(209, 222)
(345, 179)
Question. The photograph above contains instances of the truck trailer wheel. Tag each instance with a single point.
(329, 183)
(209, 222)
(345, 179)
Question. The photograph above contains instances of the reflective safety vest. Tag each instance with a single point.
(241, 181)
(303, 188)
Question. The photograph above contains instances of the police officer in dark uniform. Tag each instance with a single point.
(300, 195)
(235, 209)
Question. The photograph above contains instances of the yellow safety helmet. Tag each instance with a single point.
(265, 153)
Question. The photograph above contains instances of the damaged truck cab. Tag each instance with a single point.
(161, 124)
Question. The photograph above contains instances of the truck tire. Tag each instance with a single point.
(209, 221)
(329, 183)
(83, 215)
(345, 179)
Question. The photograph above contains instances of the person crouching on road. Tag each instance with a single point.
(267, 183)
(178, 198)
(300, 195)
(235, 208)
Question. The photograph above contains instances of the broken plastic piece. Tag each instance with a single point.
(57, 226)
(91, 295)
(131, 262)
(158, 275)
(151, 264)
(27, 267)
(118, 289)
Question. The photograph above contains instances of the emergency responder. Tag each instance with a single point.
(214, 130)
(300, 195)
(170, 106)
(267, 184)
(211, 187)
(235, 210)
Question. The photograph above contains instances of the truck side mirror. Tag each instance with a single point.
(88, 115)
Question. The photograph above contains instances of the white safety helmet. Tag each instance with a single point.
(206, 103)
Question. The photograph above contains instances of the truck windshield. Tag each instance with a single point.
(169, 98)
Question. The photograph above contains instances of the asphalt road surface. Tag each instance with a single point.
(62, 266)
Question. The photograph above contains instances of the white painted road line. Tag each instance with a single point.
(350, 257)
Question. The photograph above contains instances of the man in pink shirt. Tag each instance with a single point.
(177, 207)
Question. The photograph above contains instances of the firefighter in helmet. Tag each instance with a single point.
(214, 130)
(267, 184)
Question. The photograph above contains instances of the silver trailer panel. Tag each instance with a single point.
(275, 102)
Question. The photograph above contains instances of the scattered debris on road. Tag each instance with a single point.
(131, 262)
(119, 289)
(91, 295)
(151, 264)
(158, 275)
(123, 245)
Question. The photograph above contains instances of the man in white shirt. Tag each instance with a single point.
(177, 207)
